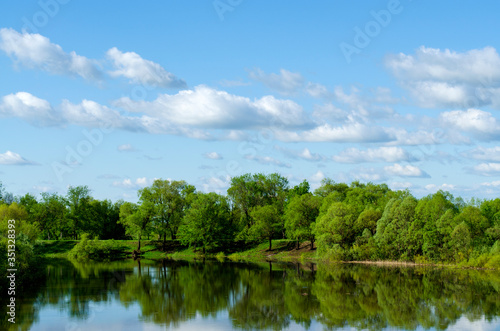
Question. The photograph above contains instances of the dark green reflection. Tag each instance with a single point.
(257, 296)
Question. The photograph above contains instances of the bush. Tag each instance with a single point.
(96, 250)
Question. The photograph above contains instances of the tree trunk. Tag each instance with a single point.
(164, 241)
(312, 243)
(139, 245)
(203, 249)
(298, 243)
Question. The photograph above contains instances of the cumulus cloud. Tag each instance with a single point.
(286, 82)
(483, 153)
(405, 171)
(213, 109)
(382, 154)
(442, 187)
(487, 169)
(130, 184)
(11, 158)
(304, 154)
(126, 148)
(29, 108)
(140, 71)
(495, 183)
(480, 123)
(351, 132)
(400, 185)
(218, 184)
(213, 156)
(35, 51)
(317, 177)
(445, 78)
(268, 160)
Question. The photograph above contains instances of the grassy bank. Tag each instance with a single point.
(283, 250)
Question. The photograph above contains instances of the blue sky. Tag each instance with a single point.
(115, 94)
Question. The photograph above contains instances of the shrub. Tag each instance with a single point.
(95, 250)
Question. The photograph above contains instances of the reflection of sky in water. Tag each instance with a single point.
(113, 316)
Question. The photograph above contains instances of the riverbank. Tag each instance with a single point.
(283, 250)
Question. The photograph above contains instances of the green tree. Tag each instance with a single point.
(207, 223)
(300, 213)
(136, 219)
(170, 199)
(392, 236)
(249, 191)
(267, 223)
(335, 227)
(78, 199)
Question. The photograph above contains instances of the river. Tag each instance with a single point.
(213, 295)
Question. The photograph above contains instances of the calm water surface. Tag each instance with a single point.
(210, 295)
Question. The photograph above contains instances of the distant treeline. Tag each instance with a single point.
(346, 222)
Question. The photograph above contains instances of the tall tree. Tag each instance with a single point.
(137, 219)
(78, 199)
(207, 223)
(267, 223)
(249, 191)
(301, 212)
(170, 199)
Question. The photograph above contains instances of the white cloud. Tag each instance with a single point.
(213, 109)
(216, 184)
(29, 108)
(11, 158)
(351, 132)
(136, 184)
(446, 78)
(329, 113)
(495, 183)
(405, 171)
(304, 154)
(480, 123)
(285, 82)
(487, 169)
(213, 156)
(317, 177)
(483, 153)
(317, 90)
(32, 50)
(268, 160)
(381, 154)
(126, 148)
(368, 176)
(400, 185)
(442, 187)
(138, 70)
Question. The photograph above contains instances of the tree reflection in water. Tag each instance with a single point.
(259, 296)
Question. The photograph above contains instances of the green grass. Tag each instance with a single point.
(54, 248)
(282, 250)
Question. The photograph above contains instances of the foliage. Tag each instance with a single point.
(300, 214)
(207, 223)
(98, 250)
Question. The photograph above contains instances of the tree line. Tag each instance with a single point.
(359, 221)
